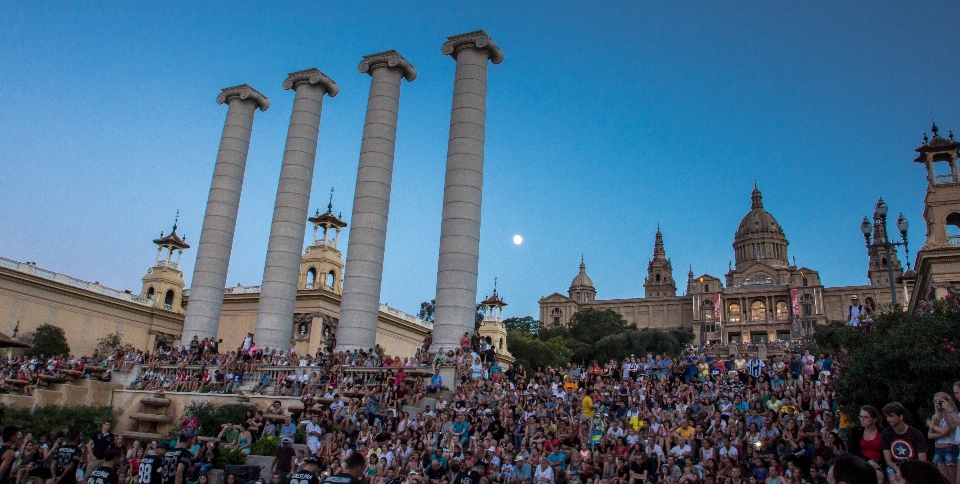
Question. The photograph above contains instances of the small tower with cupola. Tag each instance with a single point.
(321, 266)
(164, 283)
(492, 325)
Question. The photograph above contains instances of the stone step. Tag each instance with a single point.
(140, 435)
(428, 401)
(412, 410)
(156, 401)
(151, 417)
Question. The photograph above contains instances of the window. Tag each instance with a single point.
(883, 262)
(331, 278)
(735, 338)
(783, 335)
(758, 337)
(758, 311)
(168, 299)
(707, 311)
(804, 282)
(150, 293)
(311, 278)
(734, 310)
(658, 277)
(706, 288)
(782, 311)
(556, 320)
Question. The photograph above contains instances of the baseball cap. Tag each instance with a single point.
(187, 434)
(312, 460)
(163, 444)
(285, 440)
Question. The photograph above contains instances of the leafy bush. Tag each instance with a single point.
(50, 419)
(211, 416)
(49, 340)
(230, 457)
(113, 343)
(301, 437)
(266, 446)
(898, 357)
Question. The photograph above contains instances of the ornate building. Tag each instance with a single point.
(763, 296)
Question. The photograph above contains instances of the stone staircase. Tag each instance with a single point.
(153, 419)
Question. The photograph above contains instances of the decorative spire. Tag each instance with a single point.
(658, 252)
(756, 199)
(951, 134)
(934, 129)
(330, 205)
(690, 273)
(175, 220)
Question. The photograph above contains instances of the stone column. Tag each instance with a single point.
(462, 191)
(278, 293)
(220, 221)
(360, 305)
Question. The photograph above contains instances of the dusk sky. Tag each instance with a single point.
(604, 120)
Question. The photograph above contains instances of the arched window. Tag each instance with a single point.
(953, 228)
(556, 313)
(734, 310)
(883, 262)
(804, 282)
(168, 299)
(331, 278)
(658, 277)
(311, 278)
(706, 288)
(782, 310)
(758, 311)
(150, 293)
(501, 344)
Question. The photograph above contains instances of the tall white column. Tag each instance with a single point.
(278, 293)
(371, 202)
(462, 191)
(220, 220)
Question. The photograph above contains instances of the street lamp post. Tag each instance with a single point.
(881, 214)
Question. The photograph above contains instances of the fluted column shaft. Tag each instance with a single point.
(220, 221)
(360, 305)
(462, 193)
(278, 292)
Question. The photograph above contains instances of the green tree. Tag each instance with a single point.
(532, 352)
(113, 343)
(49, 340)
(427, 309)
(898, 357)
(525, 324)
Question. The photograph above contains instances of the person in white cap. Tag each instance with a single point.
(855, 311)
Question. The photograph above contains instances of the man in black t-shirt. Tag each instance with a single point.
(107, 472)
(8, 452)
(151, 466)
(66, 459)
(352, 471)
(900, 441)
(179, 460)
(474, 475)
(308, 473)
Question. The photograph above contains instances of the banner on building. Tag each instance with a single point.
(795, 299)
(717, 308)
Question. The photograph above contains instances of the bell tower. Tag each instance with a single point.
(659, 281)
(492, 324)
(938, 272)
(163, 283)
(878, 273)
(321, 266)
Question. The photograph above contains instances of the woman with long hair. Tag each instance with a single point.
(942, 429)
(865, 438)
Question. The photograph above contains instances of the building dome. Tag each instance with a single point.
(759, 238)
(758, 221)
(582, 279)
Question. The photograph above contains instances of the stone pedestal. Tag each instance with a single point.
(278, 293)
(462, 192)
(371, 203)
(220, 221)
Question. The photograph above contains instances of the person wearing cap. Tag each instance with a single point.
(106, 473)
(308, 472)
(350, 473)
(855, 311)
(285, 461)
(179, 459)
(523, 472)
(151, 466)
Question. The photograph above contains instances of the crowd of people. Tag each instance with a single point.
(693, 418)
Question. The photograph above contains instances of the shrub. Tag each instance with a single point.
(210, 416)
(50, 419)
(266, 446)
(230, 457)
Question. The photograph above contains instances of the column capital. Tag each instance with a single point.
(243, 91)
(390, 58)
(472, 40)
(312, 76)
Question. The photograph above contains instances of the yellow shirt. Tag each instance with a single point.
(636, 422)
(685, 433)
(587, 404)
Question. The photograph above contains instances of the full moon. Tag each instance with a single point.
(517, 239)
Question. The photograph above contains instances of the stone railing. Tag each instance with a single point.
(32, 269)
(405, 316)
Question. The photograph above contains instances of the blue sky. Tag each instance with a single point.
(605, 119)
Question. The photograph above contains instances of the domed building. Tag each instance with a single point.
(762, 297)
